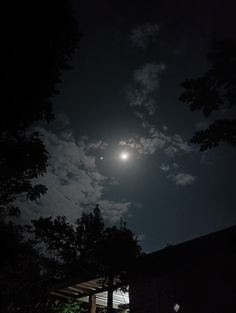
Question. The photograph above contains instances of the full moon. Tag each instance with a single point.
(124, 156)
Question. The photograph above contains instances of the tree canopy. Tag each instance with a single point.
(39, 39)
(88, 249)
(214, 94)
(23, 286)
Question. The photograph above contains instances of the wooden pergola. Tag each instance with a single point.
(93, 292)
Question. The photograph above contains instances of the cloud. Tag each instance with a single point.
(142, 95)
(171, 151)
(112, 211)
(157, 140)
(142, 35)
(165, 167)
(145, 83)
(136, 97)
(73, 180)
(175, 165)
(182, 179)
(139, 115)
(148, 76)
(180, 143)
(145, 145)
(177, 144)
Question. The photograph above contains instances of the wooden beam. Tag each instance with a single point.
(64, 294)
(80, 288)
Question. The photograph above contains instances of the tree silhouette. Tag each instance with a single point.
(40, 37)
(21, 281)
(59, 246)
(215, 93)
(38, 41)
(89, 234)
(116, 254)
(88, 250)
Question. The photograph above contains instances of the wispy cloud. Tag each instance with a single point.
(142, 95)
(157, 140)
(148, 76)
(182, 179)
(146, 82)
(171, 146)
(144, 145)
(142, 35)
(169, 167)
(165, 167)
(179, 178)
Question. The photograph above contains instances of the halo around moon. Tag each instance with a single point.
(124, 156)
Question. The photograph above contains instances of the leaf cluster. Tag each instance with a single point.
(21, 281)
(39, 39)
(215, 92)
(88, 248)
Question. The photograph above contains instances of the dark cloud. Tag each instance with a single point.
(146, 83)
(148, 76)
(142, 35)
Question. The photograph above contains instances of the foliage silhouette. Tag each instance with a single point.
(22, 284)
(89, 249)
(39, 40)
(59, 246)
(89, 233)
(116, 254)
(215, 93)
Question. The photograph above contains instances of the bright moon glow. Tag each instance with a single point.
(124, 156)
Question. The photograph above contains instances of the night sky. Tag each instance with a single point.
(122, 96)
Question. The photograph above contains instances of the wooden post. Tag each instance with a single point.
(92, 304)
(110, 295)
